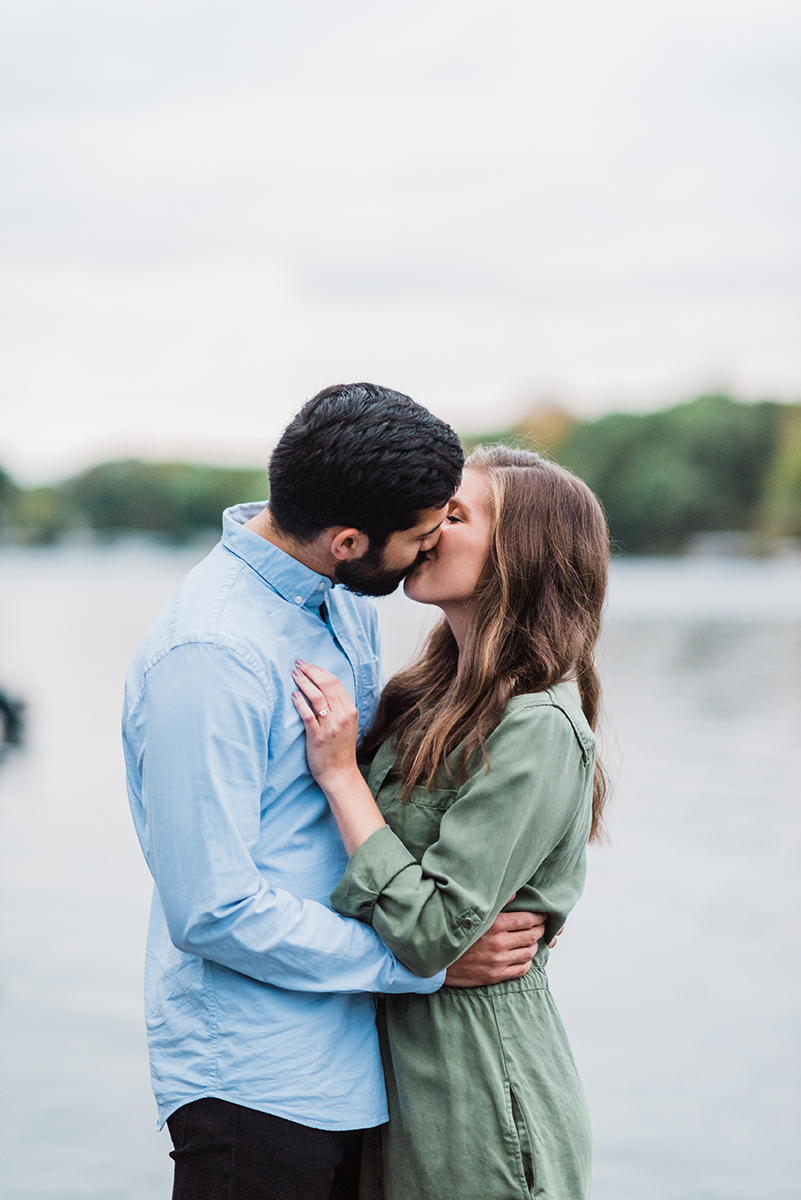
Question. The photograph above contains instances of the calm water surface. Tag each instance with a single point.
(679, 977)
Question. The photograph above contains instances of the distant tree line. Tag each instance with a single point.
(175, 501)
(713, 464)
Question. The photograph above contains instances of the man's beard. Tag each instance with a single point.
(367, 576)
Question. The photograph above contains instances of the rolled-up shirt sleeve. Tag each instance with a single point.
(203, 717)
(500, 828)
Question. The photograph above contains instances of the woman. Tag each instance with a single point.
(483, 784)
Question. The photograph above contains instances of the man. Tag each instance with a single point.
(263, 1049)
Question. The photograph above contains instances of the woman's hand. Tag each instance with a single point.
(330, 719)
(331, 722)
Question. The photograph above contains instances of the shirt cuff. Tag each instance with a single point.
(405, 981)
(371, 868)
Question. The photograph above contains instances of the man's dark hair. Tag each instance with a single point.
(363, 456)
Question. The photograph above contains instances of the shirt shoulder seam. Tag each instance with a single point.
(551, 703)
(224, 644)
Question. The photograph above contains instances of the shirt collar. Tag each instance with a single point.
(297, 583)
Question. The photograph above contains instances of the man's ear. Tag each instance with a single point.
(349, 544)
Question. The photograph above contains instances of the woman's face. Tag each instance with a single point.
(453, 568)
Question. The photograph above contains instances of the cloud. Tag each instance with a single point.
(210, 207)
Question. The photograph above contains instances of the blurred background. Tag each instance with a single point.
(576, 227)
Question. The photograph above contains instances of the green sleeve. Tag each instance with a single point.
(501, 827)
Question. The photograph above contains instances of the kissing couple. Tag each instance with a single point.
(346, 992)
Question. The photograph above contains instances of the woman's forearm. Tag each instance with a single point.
(355, 811)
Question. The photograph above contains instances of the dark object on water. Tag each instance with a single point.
(12, 727)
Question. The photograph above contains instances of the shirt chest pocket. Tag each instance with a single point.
(417, 821)
(368, 677)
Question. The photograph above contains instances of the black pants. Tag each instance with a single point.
(226, 1152)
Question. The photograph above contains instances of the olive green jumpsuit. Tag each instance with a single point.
(484, 1099)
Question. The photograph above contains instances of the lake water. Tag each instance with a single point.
(679, 976)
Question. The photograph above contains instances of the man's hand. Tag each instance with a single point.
(504, 952)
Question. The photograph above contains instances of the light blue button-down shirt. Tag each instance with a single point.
(256, 992)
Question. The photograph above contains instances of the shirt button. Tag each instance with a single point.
(467, 922)
(298, 599)
(320, 587)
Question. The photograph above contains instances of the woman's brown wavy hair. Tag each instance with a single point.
(536, 619)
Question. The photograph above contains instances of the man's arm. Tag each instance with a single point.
(202, 727)
(504, 952)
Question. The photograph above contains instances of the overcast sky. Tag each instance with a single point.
(211, 210)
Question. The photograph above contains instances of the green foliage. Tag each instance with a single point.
(666, 475)
(9, 493)
(178, 500)
(781, 508)
(41, 515)
(710, 464)
(544, 429)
